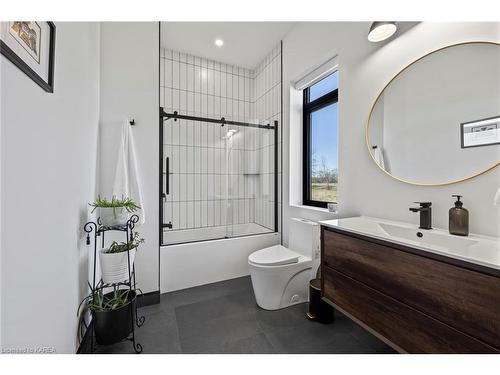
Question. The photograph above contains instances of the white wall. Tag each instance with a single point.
(129, 89)
(48, 174)
(365, 68)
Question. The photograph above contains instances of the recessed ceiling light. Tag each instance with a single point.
(381, 31)
(219, 42)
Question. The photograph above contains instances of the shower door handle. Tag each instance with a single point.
(167, 176)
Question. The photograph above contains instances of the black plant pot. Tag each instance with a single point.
(115, 325)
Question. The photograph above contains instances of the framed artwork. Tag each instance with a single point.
(30, 45)
(482, 132)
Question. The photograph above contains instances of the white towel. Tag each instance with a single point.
(379, 157)
(127, 179)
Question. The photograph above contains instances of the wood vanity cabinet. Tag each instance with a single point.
(418, 301)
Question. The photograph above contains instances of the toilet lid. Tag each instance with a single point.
(274, 256)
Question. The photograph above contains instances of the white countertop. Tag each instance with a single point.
(477, 249)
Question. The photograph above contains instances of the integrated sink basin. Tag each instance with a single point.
(430, 237)
(476, 249)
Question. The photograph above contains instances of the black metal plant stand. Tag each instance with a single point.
(98, 285)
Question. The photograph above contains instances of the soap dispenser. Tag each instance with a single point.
(459, 218)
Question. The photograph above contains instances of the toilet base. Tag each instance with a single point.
(276, 293)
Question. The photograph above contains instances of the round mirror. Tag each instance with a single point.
(438, 120)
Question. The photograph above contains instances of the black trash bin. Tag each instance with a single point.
(319, 310)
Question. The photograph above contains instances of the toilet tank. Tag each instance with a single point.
(304, 237)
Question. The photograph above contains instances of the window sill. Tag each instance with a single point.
(312, 208)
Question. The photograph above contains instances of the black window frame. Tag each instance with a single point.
(307, 109)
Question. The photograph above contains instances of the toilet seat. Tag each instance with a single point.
(274, 256)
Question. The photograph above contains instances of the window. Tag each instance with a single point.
(321, 142)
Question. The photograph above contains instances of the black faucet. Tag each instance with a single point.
(425, 214)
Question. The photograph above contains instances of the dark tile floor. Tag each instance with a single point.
(224, 318)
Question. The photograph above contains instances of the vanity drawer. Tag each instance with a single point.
(466, 300)
(406, 327)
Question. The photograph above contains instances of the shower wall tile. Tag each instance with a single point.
(266, 97)
(206, 88)
(190, 214)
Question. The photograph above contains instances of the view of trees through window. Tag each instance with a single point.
(324, 181)
(324, 162)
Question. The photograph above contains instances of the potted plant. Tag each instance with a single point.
(115, 260)
(114, 212)
(112, 314)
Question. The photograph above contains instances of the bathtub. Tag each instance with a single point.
(173, 237)
(189, 264)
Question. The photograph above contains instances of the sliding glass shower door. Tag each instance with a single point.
(219, 141)
(218, 178)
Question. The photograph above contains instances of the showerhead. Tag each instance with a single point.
(230, 133)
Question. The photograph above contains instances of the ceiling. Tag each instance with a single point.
(246, 44)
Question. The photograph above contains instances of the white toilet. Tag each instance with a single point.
(280, 275)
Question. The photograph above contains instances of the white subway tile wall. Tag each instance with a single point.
(199, 163)
(267, 107)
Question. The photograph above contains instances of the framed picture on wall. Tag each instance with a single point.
(30, 45)
(484, 132)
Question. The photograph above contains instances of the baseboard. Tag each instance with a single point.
(146, 299)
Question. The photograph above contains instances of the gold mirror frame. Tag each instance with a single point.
(367, 126)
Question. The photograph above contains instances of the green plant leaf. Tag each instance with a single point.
(129, 204)
(116, 247)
